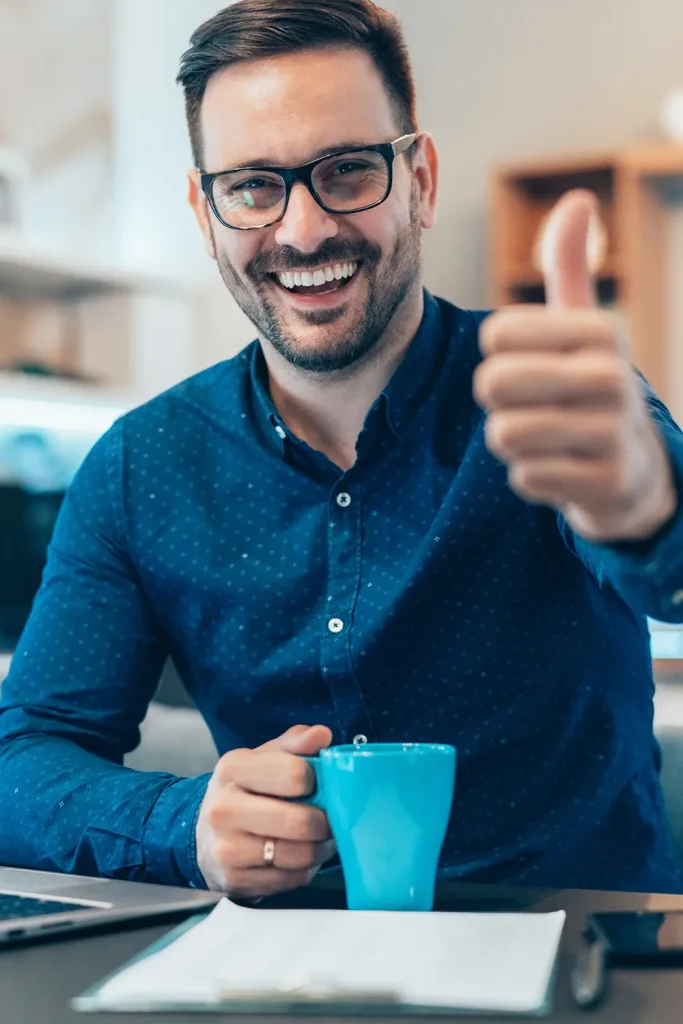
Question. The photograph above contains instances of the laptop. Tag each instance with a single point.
(36, 904)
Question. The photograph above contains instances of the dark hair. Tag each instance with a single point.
(254, 29)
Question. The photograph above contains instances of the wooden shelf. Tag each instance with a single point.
(635, 187)
(525, 275)
(29, 271)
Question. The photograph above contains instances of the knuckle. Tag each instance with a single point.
(298, 773)
(308, 856)
(520, 477)
(225, 769)
(488, 381)
(214, 815)
(221, 814)
(488, 333)
(299, 824)
(612, 374)
(228, 852)
(605, 332)
(499, 433)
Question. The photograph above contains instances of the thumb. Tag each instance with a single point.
(564, 251)
(301, 739)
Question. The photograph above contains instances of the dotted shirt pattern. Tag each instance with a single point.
(412, 598)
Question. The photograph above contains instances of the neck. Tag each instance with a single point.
(328, 411)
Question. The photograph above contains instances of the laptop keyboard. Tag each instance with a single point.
(13, 906)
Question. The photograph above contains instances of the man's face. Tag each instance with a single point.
(285, 112)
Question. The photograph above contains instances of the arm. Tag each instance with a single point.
(580, 431)
(80, 682)
(648, 574)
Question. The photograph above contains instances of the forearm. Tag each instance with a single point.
(67, 809)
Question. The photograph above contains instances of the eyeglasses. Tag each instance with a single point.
(346, 182)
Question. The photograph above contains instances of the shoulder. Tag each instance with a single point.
(215, 394)
(461, 329)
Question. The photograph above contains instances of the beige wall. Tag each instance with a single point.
(503, 80)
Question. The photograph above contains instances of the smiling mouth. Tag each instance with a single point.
(323, 280)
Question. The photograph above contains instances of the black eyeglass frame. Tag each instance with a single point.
(290, 175)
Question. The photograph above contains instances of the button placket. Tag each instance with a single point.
(343, 546)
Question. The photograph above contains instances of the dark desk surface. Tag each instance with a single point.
(37, 982)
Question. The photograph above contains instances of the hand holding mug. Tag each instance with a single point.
(251, 840)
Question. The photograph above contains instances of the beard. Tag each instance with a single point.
(389, 279)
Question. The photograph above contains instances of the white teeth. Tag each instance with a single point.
(295, 278)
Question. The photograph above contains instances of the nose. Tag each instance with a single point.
(305, 225)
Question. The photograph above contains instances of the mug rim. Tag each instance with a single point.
(385, 749)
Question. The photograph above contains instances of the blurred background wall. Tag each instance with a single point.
(502, 81)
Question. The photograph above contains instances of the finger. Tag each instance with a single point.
(267, 817)
(252, 882)
(560, 480)
(531, 328)
(301, 739)
(241, 850)
(525, 378)
(519, 433)
(269, 772)
(564, 252)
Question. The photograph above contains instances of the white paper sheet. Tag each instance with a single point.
(486, 962)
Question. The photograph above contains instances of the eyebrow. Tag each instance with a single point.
(339, 147)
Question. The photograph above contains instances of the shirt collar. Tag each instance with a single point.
(402, 395)
(414, 378)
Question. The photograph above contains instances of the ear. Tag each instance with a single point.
(425, 169)
(200, 207)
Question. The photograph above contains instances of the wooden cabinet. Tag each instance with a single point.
(116, 328)
(638, 188)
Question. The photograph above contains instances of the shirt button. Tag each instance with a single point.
(281, 432)
(677, 598)
(343, 500)
(335, 625)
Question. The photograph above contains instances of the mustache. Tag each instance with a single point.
(332, 250)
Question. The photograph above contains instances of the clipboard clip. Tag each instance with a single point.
(311, 991)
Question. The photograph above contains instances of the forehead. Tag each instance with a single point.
(286, 109)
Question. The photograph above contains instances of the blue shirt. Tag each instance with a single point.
(414, 597)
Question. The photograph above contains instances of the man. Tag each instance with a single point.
(378, 519)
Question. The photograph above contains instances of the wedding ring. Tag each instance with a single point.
(269, 852)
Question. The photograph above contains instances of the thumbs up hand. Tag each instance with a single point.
(566, 412)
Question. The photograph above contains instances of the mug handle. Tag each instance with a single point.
(315, 799)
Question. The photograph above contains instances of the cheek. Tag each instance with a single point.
(239, 248)
(381, 226)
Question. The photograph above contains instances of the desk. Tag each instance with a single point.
(36, 982)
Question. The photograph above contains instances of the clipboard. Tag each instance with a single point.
(300, 996)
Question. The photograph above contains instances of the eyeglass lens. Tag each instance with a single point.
(343, 183)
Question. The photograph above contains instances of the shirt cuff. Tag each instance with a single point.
(169, 837)
(657, 562)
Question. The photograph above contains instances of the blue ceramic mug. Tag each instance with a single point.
(388, 805)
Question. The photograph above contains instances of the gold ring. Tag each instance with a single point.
(269, 852)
